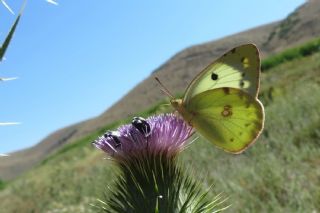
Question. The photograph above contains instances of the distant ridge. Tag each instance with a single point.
(298, 27)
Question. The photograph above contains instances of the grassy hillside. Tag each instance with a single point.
(301, 51)
(280, 173)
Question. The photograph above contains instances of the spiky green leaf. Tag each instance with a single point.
(8, 38)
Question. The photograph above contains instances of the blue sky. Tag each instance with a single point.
(76, 59)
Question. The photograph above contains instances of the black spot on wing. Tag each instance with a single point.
(214, 76)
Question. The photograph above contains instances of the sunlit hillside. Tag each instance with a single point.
(280, 173)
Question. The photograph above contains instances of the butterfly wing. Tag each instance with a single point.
(238, 68)
(229, 118)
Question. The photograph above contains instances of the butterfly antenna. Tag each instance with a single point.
(165, 105)
(164, 89)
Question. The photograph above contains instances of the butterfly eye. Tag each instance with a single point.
(141, 125)
(115, 137)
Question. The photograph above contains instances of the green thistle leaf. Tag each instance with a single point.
(8, 38)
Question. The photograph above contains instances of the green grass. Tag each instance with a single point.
(2, 184)
(280, 173)
(304, 50)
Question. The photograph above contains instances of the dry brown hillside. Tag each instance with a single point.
(299, 26)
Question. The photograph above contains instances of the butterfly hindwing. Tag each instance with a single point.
(228, 117)
(238, 68)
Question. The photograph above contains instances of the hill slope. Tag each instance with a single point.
(280, 173)
(299, 26)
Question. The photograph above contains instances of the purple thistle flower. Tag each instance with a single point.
(164, 133)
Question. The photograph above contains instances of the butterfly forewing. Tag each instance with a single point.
(238, 68)
(228, 117)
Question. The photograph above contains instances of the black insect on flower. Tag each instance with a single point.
(155, 134)
(114, 136)
(142, 125)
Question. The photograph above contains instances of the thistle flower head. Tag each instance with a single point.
(151, 179)
(156, 134)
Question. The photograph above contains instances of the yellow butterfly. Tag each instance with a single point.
(221, 102)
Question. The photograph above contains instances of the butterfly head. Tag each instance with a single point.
(176, 103)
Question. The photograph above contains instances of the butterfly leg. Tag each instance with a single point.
(190, 132)
(193, 114)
